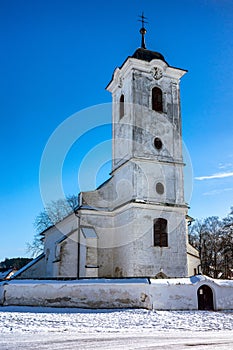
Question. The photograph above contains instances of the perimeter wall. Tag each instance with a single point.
(159, 294)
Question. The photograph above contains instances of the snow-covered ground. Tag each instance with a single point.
(49, 328)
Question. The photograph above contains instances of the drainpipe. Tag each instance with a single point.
(199, 269)
(78, 262)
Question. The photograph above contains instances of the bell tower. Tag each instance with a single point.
(147, 126)
(148, 163)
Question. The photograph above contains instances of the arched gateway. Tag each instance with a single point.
(205, 298)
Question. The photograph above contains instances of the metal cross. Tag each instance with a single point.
(143, 30)
(142, 19)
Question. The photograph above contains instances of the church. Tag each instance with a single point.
(136, 223)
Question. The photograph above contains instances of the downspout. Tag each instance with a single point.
(78, 260)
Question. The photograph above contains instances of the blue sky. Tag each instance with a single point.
(57, 58)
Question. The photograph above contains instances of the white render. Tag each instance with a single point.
(167, 294)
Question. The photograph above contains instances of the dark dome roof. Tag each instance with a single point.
(147, 55)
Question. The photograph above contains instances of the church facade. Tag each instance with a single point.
(135, 224)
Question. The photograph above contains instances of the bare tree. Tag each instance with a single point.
(198, 237)
(214, 230)
(213, 237)
(54, 212)
(227, 245)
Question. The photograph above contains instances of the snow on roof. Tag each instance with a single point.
(224, 283)
(28, 265)
(170, 281)
(192, 280)
(4, 274)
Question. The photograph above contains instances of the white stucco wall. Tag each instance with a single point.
(181, 294)
(82, 294)
(222, 293)
(67, 265)
(56, 264)
(174, 294)
(125, 241)
(193, 260)
(159, 294)
(134, 250)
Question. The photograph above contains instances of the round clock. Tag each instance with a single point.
(157, 73)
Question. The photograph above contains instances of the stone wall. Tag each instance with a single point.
(82, 294)
(158, 294)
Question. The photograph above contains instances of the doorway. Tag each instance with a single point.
(205, 298)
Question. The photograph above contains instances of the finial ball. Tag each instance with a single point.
(143, 30)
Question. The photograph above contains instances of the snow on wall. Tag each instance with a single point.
(159, 294)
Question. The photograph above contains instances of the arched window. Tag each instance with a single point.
(122, 106)
(160, 233)
(157, 99)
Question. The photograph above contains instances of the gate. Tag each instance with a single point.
(205, 298)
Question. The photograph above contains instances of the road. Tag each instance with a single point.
(221, 340)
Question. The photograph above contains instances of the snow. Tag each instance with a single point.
(36, 319)
(182, 281)
(4, 274)
(50, 328)
(80, 281)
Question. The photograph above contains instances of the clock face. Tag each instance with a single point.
(157, 73)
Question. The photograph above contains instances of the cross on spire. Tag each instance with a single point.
(142, 19)
(143, 30)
